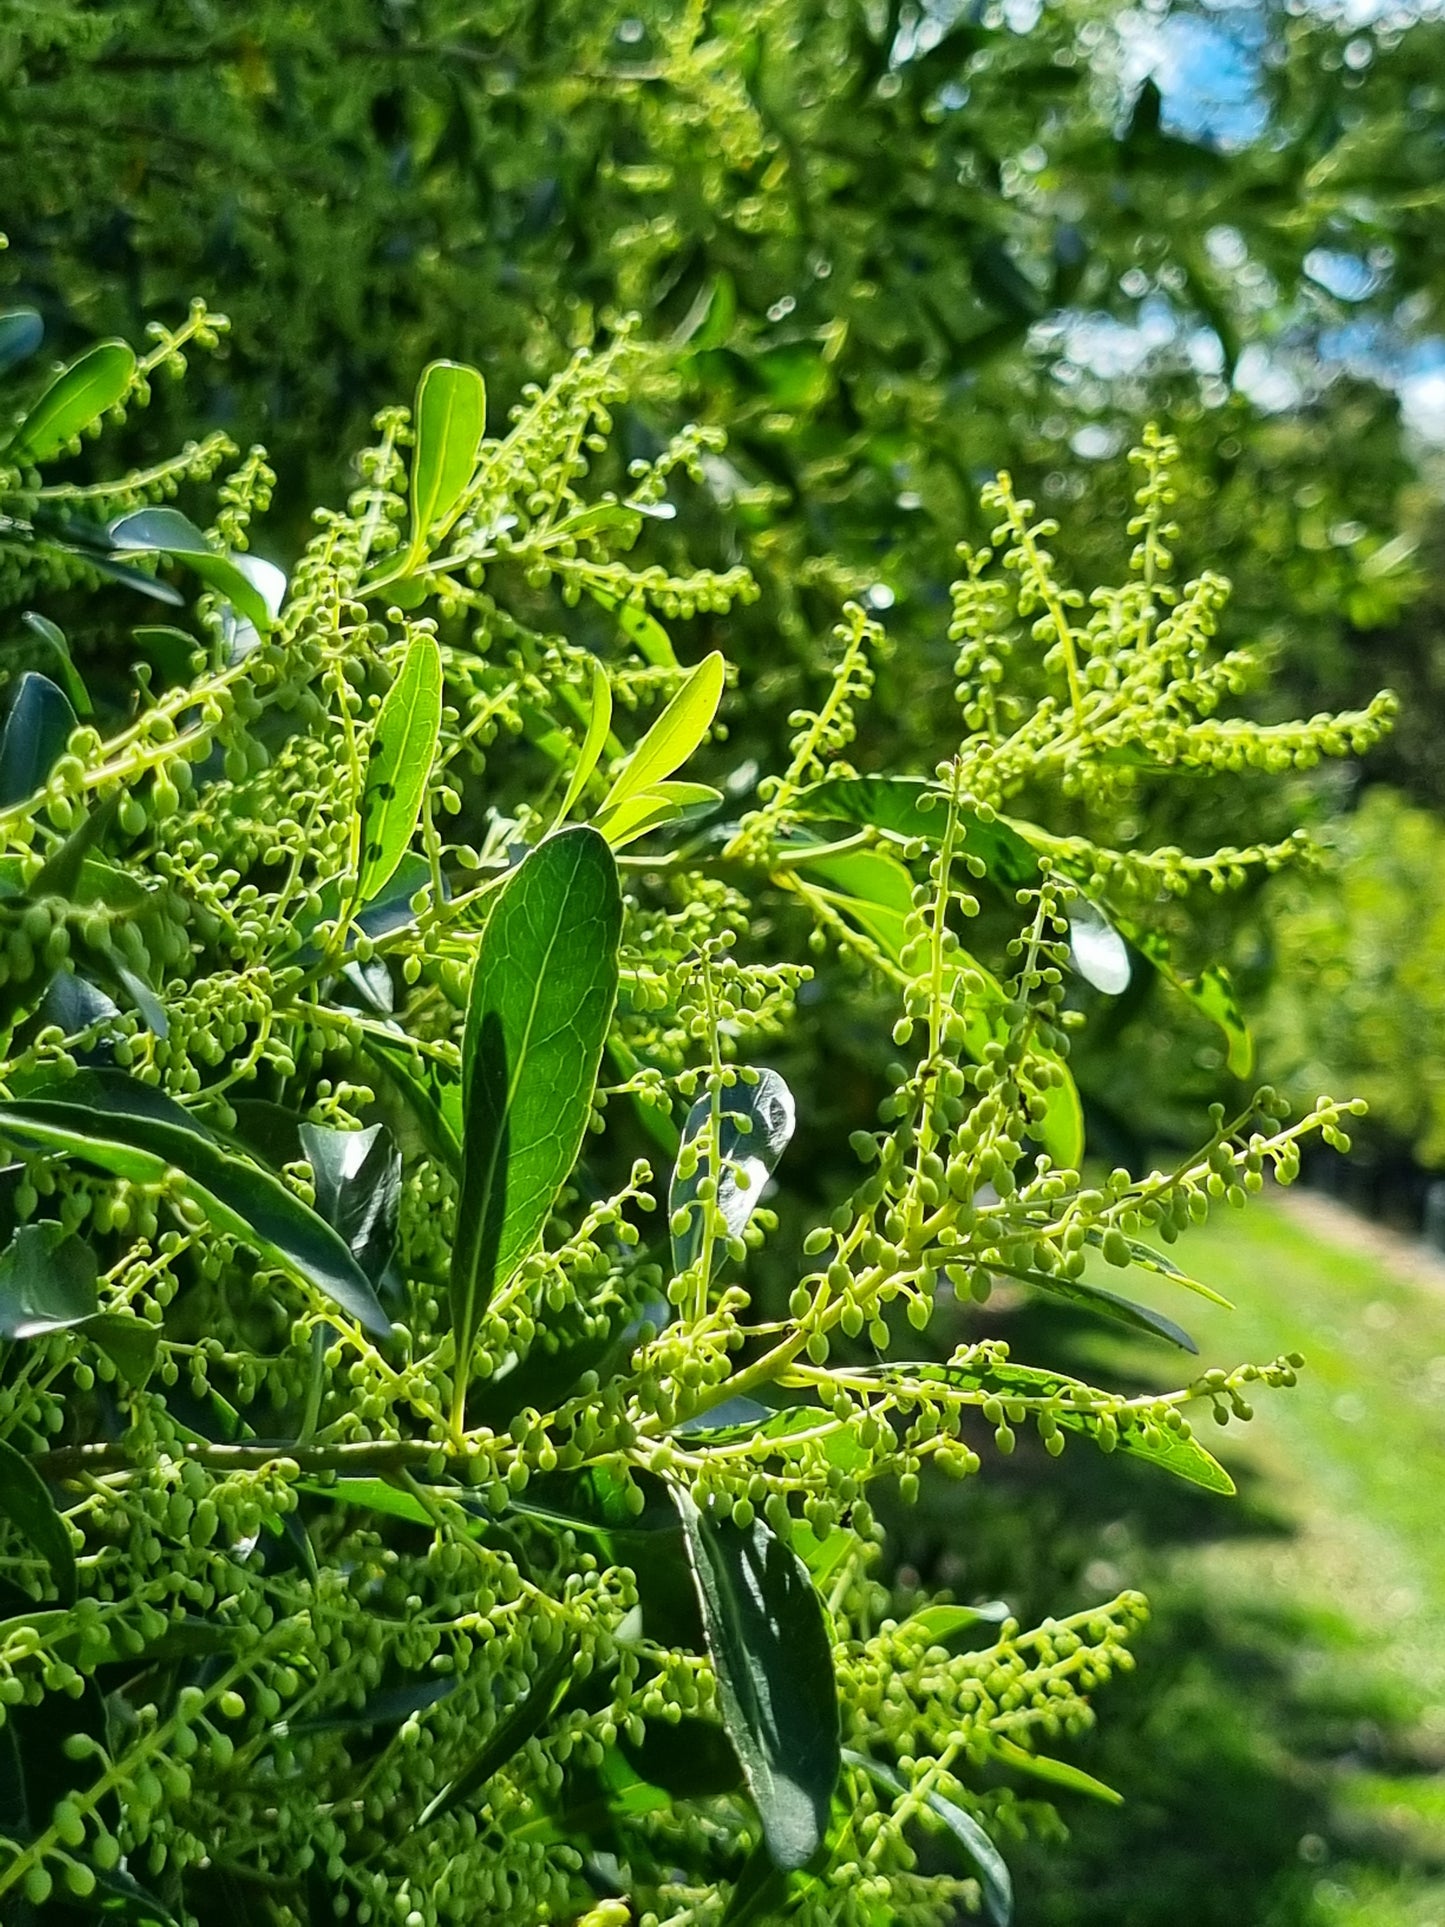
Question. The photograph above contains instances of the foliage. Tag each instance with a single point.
(895, 246)
(1358, 958)
(400, 1519)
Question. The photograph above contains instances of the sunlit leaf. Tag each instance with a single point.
(672, 738)
(993, 1875)
(450, 419)
(403, 748)
(77, 398)
(599, 722)
(1098, 951)
(540, 1004)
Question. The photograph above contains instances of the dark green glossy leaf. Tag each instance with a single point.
(36, 732)
(769, 1644)
(171, 650)
(165, 531)
(450, 419)
(47, 1282)
(358, 1190)
(755, 1122)
(537, 1018)
(388, 1706)
(58, 643)
(118, 1896)
(403, 746)
(131, 1344)
(26, 1502)
(993, 1875)
(21, 333)
(692, 1759)
(125, 1128)
(1106, 1304)
(430, 1090)
(512, 1732)
(74, 401)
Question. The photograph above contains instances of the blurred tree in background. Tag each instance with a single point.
(889, 247)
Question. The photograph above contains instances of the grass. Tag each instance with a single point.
(1282, 1745)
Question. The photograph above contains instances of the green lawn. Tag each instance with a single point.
(1282, 1746)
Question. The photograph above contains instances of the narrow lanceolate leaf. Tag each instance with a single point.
(755, 1122)
(165, 531)
(403, 747)
(124, 1128)
(656, 808)
(450, 418)
(511, 1734)
(768, 1641)
(1070, 1402)
(1107, 1304)
(26, 1502)
(56, 640)
(430, 1090)
(1059, 1773)
(1098, 952)
(74, 401)
(993, 1875)
(599, 721)
(537, 1018)
(36, 732)
(672, 738)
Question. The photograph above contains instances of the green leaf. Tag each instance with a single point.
(118, 1896)
(1176, 1452)
(77, 398)
(131, 1344)
(672, 738)
(636, 622)
(171, 650)
(403, 748)
(47, 1282)
(1056, 1772)
(755, 1122)
(1212, 993)
(654, 808)
(36, 732)
(511, 1734)
(1098, 951)
(911, 807)
(56, 641)
(939, 1623)
(1148, 1258)
(165, 531)
(599, 722)
(1106, 1304)
(876, 892)
(768, 1641)
(375, 1494)
(358, 1190)
(993, 1875)
(124, 1128)
(450, 419)
(21, 333)
(26, 1502)
(537, 1018)
(431, 1092)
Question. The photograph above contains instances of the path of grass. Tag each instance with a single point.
(1282, 1746)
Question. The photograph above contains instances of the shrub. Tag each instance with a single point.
(409, 1513)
